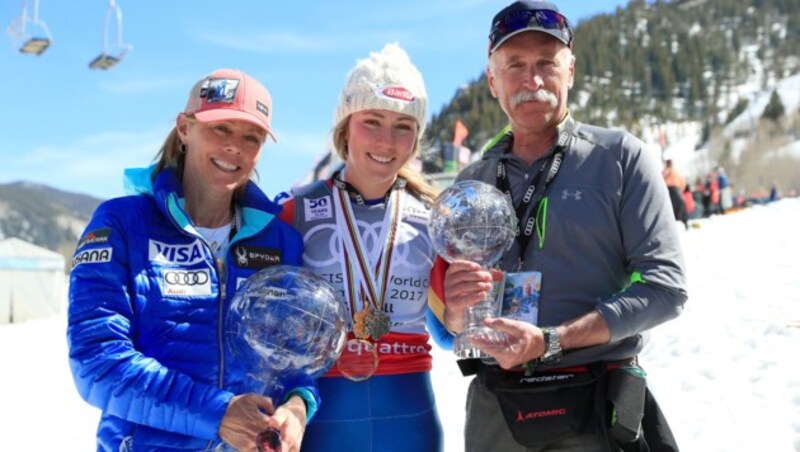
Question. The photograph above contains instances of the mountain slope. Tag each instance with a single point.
(653, 62)
(45, 216)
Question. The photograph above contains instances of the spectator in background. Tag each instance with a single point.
(741, 200)
(702, 197)
(688, 200)
(676, 184)
(712, 186)
(725, 190)
(773, 192)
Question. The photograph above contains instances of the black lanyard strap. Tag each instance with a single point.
(529, 204)
(342, 184)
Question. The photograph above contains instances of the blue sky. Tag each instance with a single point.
(76, 129)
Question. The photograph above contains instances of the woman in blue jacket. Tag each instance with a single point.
(153, 274)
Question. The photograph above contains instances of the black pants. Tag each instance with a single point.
(678, 206)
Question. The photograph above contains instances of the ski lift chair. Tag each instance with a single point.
(106, 60)
(31, 45)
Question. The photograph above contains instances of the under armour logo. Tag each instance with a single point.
(576, 195)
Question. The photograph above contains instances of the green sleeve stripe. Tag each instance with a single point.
(496, 138)
(636, 277)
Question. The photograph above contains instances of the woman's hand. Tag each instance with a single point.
(246, 417)
(290, 419)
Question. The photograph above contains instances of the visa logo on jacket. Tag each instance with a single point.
(186, 254)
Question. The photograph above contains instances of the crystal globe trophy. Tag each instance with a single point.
(474, 221)
(285, 327)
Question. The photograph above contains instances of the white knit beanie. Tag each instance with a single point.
(385, 81)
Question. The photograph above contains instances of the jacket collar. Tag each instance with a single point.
(501, 143)
(254, 209)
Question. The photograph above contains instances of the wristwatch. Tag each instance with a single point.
(552, 346)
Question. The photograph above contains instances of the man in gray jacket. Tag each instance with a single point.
(596, 224)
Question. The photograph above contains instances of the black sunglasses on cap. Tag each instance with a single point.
(514, 22)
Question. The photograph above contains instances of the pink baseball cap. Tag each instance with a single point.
(228, 94)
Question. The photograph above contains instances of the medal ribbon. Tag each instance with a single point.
(357, 269)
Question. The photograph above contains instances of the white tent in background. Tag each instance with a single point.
(32, 282)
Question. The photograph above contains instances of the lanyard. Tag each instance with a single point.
(341, 184)
(529, 205)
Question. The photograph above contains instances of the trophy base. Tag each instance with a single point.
(467, 353)
(464, 344)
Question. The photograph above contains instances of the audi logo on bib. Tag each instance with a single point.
(186, 283)
(181, 278)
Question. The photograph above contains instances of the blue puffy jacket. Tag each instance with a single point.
(147, 303)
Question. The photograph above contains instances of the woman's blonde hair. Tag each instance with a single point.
(415, 183)
(172, 154)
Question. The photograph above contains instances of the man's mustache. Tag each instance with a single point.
(540, 95)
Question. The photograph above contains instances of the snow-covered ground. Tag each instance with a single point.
(724, 371)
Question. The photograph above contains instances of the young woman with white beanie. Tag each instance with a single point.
(365, 230)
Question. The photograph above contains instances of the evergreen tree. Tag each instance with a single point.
(774, 109)
(737, 110)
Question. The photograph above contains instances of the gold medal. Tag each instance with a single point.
(360, 326)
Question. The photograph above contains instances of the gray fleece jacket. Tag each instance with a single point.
(608, 240)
